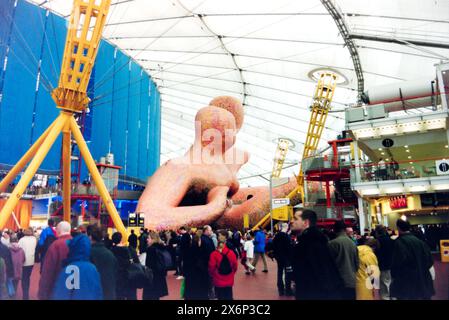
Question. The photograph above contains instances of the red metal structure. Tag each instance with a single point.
(334, 173)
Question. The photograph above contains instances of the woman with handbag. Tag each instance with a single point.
(125, 256)
(155, 261)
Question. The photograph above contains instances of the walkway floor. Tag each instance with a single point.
(262, 286)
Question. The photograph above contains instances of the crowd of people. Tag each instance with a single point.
(312, 263)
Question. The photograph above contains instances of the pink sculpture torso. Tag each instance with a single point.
(201, 187)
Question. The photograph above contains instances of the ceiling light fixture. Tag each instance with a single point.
(315, 74)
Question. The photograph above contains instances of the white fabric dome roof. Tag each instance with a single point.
(262, 51)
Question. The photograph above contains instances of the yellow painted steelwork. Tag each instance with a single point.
(83, 38)
(321, 105)
(24, 160)
(66, 175)
(281, 153)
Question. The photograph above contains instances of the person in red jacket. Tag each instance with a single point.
(223, 272)
(56, 254)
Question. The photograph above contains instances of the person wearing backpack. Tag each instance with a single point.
(125, 257)
(46, 238)
(157, 261)
(222, 268)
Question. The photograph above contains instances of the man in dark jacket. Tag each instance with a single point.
(314, 270)
(412, 259)
(384, 256)
(132, 239)
(206, 240)
(282, 247)
(105, 262)
(143, 241)
(346, 257)
(184, 246)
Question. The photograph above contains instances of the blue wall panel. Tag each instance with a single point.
(6, 14)
(143, 166)
(19, 92)
(133, 121)
(125, 107)
(120, 109)
(101, 106)
(46, 110)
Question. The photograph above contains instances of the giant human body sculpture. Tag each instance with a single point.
(201, 187)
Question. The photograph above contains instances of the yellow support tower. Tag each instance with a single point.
(321, 105)
(83, 39)
(281, 153)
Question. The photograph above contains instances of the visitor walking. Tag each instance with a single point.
(222, 268)
(28, 244)
(282, 248)
(345, 254)
(314, 271)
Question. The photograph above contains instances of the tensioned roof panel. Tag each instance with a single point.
(262, 51)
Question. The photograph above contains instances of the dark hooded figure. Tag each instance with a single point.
(78, 279)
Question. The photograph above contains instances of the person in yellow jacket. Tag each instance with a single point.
(367, 277)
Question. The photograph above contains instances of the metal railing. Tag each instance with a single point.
(396, 170)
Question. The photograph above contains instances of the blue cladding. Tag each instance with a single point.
(20, 84)
(133, 121)
(52, 51)
(120, 109)
(6, 11)
(101, 106)
(124, 113)
(143, 163)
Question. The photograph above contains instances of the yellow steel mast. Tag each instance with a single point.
(321, 105)
(87, 22)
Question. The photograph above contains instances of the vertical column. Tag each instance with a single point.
(362, 216)
(356, 161)
(66, 165)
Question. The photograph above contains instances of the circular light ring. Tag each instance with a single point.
(341, 79)
(291, 143)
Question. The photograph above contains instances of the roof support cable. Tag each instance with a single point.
(350, 44)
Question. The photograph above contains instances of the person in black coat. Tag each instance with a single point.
(384, 255)
(158, 288)
(105, 262)
(184, 246)
(132, 240)
(412, 259)
(197, 281)
(171, 246)
(314, 271)
(282, 247)
(124, 255)
(143, 241)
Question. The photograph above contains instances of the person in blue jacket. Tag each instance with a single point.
(78, 279)
(259, 249)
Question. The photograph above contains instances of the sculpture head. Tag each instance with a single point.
(231, 104)
(215, 128)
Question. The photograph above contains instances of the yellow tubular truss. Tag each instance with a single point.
(321, 105)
